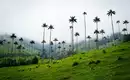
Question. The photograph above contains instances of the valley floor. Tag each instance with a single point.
(105, 64)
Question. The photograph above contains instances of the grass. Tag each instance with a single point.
(112, 65)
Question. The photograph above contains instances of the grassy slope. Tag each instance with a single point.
(109, 69)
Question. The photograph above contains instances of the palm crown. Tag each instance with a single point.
(32, 42)
(84, 13)
(89, 37)
(96, 32)
(44, 25)
(77, 34)
(111, 12)
(55, 39)
(96, 20)
(21, 39)
(102, 31)
(51, 27)
(125, 22)
(72, 19)
(63, 42)
(118, 21)
(13, 36)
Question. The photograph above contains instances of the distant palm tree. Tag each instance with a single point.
(15, 43)
(126, 22)
(84, 13)
(13, 36)
(77, 35)
(118, 22)
(43, 54)
(110, 13)
(89, 37)
(55, 40)
(8, 46)
(21, 41)
(72, 20)
(63, 43)
(124, 30)
(51, 50)
(96, 32)
(19, 47)
(59, 47)
(51, 28)
(1, 44)
(102, 32)
(32, 43)
(43, 50)
(96, 20)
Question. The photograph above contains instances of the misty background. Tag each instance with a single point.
(25, 17)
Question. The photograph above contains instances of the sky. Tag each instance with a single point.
(25, 17)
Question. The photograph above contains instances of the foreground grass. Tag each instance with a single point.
(113, 65)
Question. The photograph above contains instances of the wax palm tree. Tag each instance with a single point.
(89, 37)
(72, 20)
(96, 20)
(124, 30)
(102, 32)
(13, 36)
(118, 22)
(19, 47)
(59, 47)
(15, 43)
(84, 13)
(43, 54)
(96, 32)
(111, 13)
(55, 40)
(126, 22)
(21, 40)
(51, 49)
(32, 43)
(8, 46)
(63, 43)
(77, 35)
(44, 26)
(1, 43)
(51, 28)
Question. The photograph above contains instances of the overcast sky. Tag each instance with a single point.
(25, 17)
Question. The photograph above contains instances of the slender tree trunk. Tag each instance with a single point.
(72, 38)
(97, 37)
(85, 30)
(77, 42)
(119, 31)
(43, 50)
(112, 29)
(50, 46)
(89, 44)
(126, 28)
(12, 46)
(55, 47)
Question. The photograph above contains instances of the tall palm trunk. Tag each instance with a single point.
(126, 28)
(97, 37)
(85, 30)
(72, 38)
(112, 28)
(50, 47)
(43, 50)
(77, 43)
(12, 49)
(119, 31)
(89, 44)
(55, 47)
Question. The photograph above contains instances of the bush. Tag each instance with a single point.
(35, 60)
(104, 51)
(75, 63)
(97, 62)
(119, 58)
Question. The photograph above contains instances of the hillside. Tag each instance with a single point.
(108, 64)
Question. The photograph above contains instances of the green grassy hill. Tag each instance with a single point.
(108, 64)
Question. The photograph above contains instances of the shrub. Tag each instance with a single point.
(119, 58)
(97, 62)
(91, 62)
(35, 60)
(104, 51)
(75, 63)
